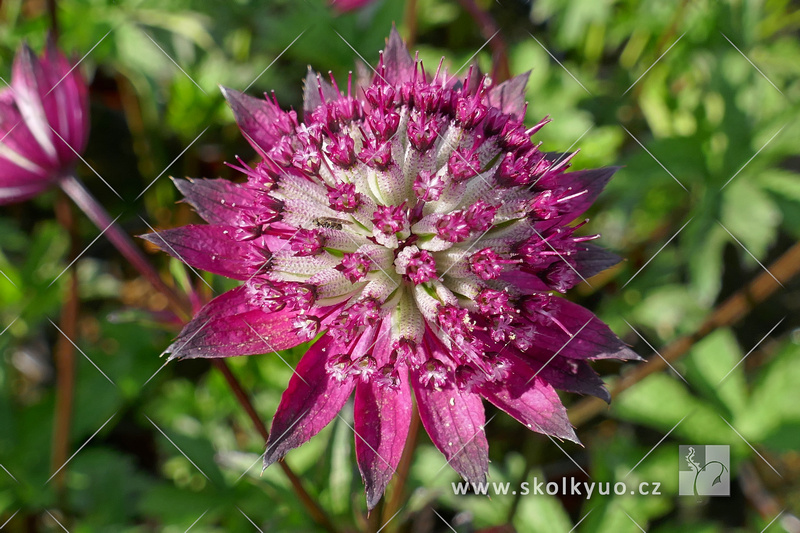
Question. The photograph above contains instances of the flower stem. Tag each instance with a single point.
(410, 18)
(121, 241)
(501, 71)
(64, 355)
(97, 214)
(312, 506)
(736, 307)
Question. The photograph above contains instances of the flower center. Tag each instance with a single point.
(402, 215)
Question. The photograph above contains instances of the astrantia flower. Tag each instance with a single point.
(44, 123)
(412, 228)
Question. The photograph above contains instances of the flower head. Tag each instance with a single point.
(44, 123)
(413, 223)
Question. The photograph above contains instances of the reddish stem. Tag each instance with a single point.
(121, 241)
(410, 18)
(490, 31)
(97, 214)
(317, 513)
(64, 354)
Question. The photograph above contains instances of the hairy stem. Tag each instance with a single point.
(736, 307)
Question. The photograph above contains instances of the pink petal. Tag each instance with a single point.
(509, 96)
(397, 60)
(229, 326)
(256, 119)
(312, 399)
(531, 400)
(591, 259)
(312, 85)
(20, 154)
(21, 176)
(382, 419)
(217, 201)
(11, 195)
(593, 181)
(595, 340)
(211, 248)
(44, 95)
(66, 103)
(29, 81)
(454, 420)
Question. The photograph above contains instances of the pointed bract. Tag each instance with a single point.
(312, 399)
(589, 337)
(212, 248)
(454, 419)
(592, 181)
(230, 325)
(591, 260)
(397, 60)
(509, 96)
(531, 400)
(218, 202)
(571, 376)
(383, 416)
(316, 91)
(260, 121)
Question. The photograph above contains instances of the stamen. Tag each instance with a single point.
(355, 266)
(433, 374)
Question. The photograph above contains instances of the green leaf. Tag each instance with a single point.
(781, 182)
(773, 412)
(690, 417)
(716, 358)
(340, 485)
(538, 512)
(750, 215)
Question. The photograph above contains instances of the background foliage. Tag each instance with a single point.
(698, 100)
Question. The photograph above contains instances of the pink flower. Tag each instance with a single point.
(413, 223)
(44, 123)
